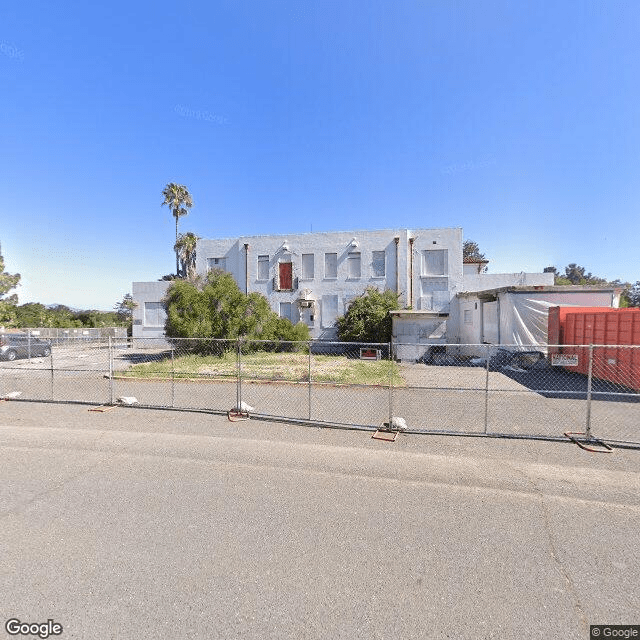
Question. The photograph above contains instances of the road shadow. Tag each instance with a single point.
(555, 382)
(140, 357)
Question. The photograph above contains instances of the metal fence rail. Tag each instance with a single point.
(72, 335)
(515, 390)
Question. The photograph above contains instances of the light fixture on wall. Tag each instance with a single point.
(285, 247)
(354, 244)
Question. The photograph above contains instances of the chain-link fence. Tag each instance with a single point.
(515, 390)
(524, 390)
(61, 336)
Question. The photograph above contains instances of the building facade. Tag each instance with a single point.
(313, 277)
(149, 315)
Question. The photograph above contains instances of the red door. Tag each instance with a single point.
(286, 276)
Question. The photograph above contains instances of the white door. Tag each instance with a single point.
(490, 323)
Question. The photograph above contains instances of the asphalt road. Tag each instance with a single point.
(189, 526)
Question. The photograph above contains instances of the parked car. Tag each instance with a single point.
(21, 345)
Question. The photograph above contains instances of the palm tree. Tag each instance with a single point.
(178, 198)
(185, 249)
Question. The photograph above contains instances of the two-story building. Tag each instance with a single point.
(313, 277)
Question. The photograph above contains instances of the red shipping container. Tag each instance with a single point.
(599, 326)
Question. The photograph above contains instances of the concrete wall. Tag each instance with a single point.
(434, 293)
(414, 332)
(148, 319)
(469, 331)
(482, 281)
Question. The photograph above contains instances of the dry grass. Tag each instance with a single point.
(290, 367)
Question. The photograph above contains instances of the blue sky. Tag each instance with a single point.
(517, 121)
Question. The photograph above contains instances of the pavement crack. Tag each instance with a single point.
(551, 543)
(19, 508)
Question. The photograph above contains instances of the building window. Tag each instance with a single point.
(330, 265)
(263, 267)
(353, 263)
(216, 263)
(285, 276)
(434, 262)
(329, 310)
(347, 302)
(286, 311)
(307, 266)
(468, 316)
(154, 314)
(378, 264)
(434, 284)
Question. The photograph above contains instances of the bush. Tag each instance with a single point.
(368, 318)
(216, 308)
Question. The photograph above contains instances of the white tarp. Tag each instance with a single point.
(524, 318)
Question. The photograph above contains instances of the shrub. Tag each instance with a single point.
(367, 318)
(216, 308)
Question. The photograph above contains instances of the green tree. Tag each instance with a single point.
(179, 201)
(93, 318)
(632, 294)
(185, 247)
(368, 318)
(576, 274)
(32, 314)
(470, 249)
(60, 316)
(214, 307)
(8, 303)
(124, 311)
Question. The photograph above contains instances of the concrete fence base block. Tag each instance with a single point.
(398, 424)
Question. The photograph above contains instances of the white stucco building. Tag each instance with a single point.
(416, 331)
(517, 314)
(313, 277)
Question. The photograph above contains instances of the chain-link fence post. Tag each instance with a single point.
(52, 375)
(238, 376)
(486, 391)
(309, 347)
(173, 378)
(589, 385)
(390, 356)
(110, 371)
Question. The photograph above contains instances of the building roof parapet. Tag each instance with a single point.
(564, 288)
(242, 238)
